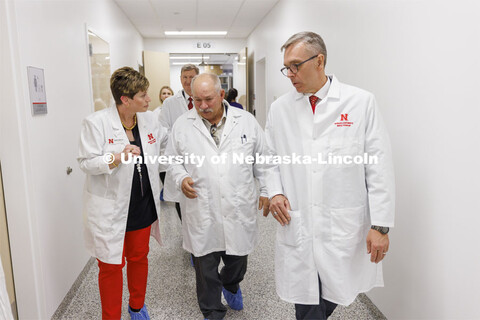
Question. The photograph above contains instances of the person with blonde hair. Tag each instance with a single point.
(165, 92)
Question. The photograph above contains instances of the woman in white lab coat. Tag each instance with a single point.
(121, 200)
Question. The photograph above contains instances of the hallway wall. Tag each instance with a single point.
(420, 59)
(44, 203)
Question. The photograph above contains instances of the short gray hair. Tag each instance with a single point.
(215, 79)
(189, 67)
(312, 41)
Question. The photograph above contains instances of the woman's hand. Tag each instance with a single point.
(133, 149)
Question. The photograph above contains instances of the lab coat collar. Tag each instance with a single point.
(117, 123)
(233, 116)
(181, 99)
(232, 120)
(333, 91)
(115, 118)
(185, 95)
(179, 95)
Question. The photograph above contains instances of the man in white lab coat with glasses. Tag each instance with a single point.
(334, 215)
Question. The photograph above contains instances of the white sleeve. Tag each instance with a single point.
(165, 117)
(260, 170)
(90, 151)
(380, 179)
(176, 171)
(273, 179)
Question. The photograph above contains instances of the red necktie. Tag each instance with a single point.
(313, 101)
(190, 104)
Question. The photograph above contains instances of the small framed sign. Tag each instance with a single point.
(36, 86)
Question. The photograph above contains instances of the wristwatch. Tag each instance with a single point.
(382, 230)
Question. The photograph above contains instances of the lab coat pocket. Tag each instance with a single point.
(292, 234)
(347, 223)
(197, 211)
(343, 152)
(99, 213)
(243, 145)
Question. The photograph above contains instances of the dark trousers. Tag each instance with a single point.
(177, 205)
(320, 311)
(210, 282)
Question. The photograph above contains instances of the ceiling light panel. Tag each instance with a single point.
(195, 33)
(188, 58)
(184, 63)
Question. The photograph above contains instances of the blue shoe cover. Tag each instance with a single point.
(235, 301)
(141, 315)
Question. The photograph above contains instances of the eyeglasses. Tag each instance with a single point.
(294, 67)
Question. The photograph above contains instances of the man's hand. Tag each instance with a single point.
(279, 207)
(263, 203)
(377, 245)
(187, 188)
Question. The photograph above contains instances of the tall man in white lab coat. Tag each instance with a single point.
(334, 213)
(220, 196)
(173, 108)
(182, 101)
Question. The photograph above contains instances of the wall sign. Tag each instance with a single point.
(204, 45)
(36, 86)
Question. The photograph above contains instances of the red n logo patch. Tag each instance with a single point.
(110, 141)
(344, 117)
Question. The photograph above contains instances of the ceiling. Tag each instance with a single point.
(238, 17)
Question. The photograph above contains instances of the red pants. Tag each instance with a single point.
(110, 277)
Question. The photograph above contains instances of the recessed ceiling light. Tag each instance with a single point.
(195, 33)
(183, 63)
(187, 58)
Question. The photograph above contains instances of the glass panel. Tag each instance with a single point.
(99, 52)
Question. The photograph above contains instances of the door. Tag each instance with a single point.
(5, 251)
(156, 66)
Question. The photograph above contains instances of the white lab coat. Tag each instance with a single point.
(172, 108)
(333, 206)
(107, 191)
(157, 112)
(224, 215)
